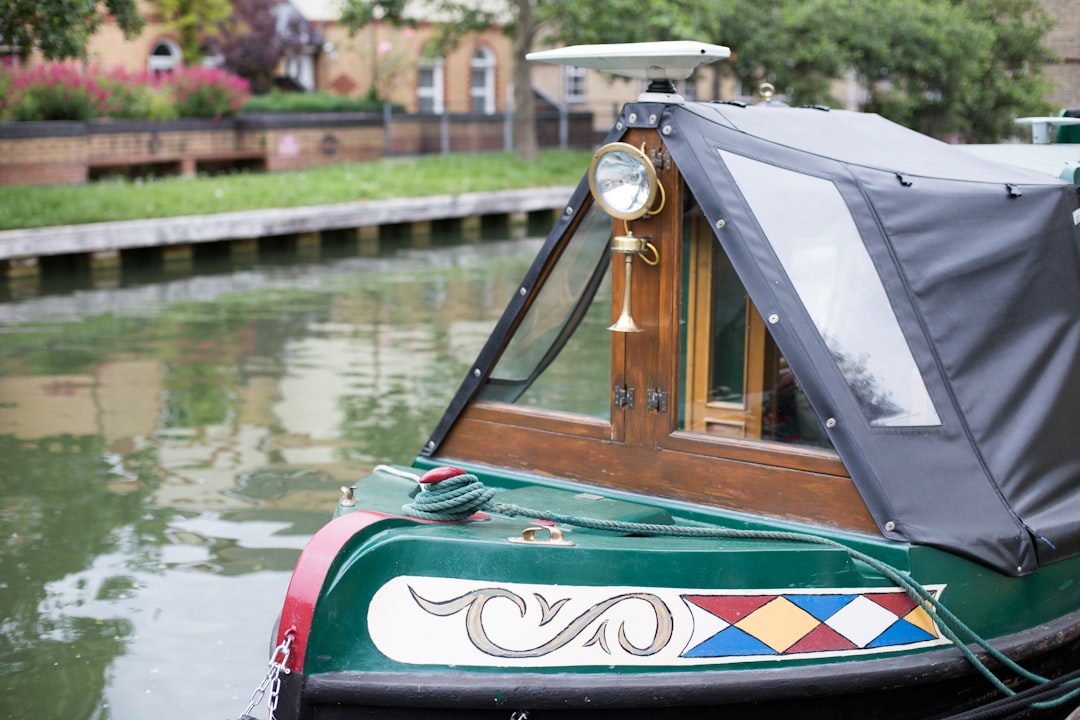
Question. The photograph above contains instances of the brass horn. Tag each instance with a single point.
(627, 245)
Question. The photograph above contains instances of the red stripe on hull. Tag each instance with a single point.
(310, 574)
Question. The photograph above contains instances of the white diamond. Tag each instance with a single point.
(861, 620)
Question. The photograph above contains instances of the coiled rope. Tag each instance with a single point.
(452, 495)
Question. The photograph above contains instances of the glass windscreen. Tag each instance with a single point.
(813, 234)
(559, 356)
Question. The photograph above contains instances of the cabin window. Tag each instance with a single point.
(810, 228)
(559, 357)
(735, 381)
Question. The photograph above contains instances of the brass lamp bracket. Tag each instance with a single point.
(630, 245)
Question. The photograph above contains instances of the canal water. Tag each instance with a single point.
(168, 445)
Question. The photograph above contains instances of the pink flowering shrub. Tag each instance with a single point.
(54, 91)
(207, 92)
(59, 91)
(136, 96)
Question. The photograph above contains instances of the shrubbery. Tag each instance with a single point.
(207, 92)
(60, 91)
(313, 102)
(53, 92)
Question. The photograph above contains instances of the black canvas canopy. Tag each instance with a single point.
(980, 265)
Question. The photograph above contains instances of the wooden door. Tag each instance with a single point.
(641, 361)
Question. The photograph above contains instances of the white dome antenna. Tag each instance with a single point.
(662, 63)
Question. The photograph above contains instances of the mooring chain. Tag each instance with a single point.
(272, 681)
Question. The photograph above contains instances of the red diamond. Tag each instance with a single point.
(731, 608)
(899, 603)
(821, 639)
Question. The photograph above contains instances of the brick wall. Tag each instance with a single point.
(106, 148)
(71, 152)
(311, 147)
(43, 153)
(38, 153)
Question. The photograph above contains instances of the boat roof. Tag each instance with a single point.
(959, 429)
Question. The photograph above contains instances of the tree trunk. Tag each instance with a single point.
(525, 143)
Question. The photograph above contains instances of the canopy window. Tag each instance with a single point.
(813, 234)
(558, 357)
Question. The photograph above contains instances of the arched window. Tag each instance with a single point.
(482, 85)
(164, 57)
(429, 91)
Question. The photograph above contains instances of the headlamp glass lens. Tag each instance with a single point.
(623, 181)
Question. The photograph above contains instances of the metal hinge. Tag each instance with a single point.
(660, 159)
(624, 396)
(656, 400)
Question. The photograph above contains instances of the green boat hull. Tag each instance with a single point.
(497, 613)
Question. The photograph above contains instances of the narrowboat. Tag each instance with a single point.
(781, 422)
(1054, 146)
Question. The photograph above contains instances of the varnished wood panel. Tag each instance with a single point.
(797, 457)
(551, 421)
(781, 492)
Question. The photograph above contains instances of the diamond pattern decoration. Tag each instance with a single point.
(778, 623)
(798, 623)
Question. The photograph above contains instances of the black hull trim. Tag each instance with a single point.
(935, 684)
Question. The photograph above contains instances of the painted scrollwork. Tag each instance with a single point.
(476, 601)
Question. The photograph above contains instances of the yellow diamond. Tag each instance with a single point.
(921, 619)
(779, 624)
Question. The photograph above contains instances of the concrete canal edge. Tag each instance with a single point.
(102, 244)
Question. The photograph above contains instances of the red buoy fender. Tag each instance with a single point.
(439, 474)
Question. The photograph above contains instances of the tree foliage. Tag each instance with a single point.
(459, 18)
(61, 29)
(527, 22)
(193, 19)
(1012, 85)
(255, 37)
(960, 68)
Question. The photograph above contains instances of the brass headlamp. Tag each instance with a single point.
(623, 182)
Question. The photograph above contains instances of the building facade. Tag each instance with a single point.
(396, 64)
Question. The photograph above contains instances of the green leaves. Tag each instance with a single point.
(949, 68)
(61, 28)
(193, 19)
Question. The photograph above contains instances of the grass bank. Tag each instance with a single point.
(26, 206)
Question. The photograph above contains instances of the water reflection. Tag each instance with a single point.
(170, 446)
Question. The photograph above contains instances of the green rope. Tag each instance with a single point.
(461, 496)
(450, 500)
